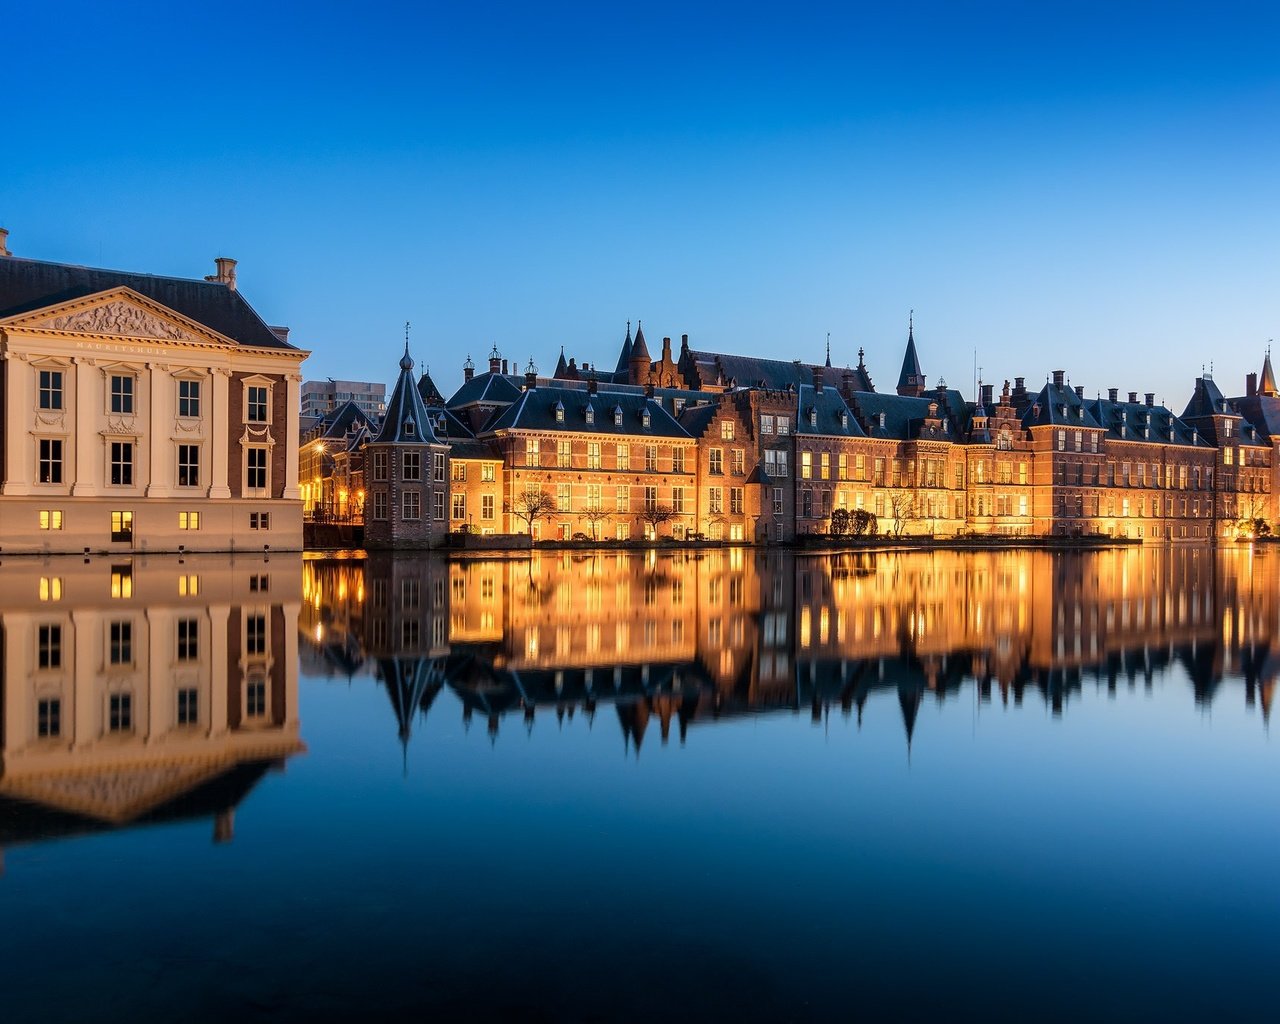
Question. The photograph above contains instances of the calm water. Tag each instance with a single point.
(735, 786)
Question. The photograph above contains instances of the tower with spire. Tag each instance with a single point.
(911, 381)
(640, 361)
(407, 471)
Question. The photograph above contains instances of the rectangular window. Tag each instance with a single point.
(51, 519)
(379, 466)
(564, 454)
(50, 450)
(188, 639)
(122, 394)
(49, 647)
(259, 520)
(677, 499)
(716, 457)
(188, 707)
(122, 526)
(735, 501)
(439, 467)
(806, 465)
(255, 698)
(766, 424)
(255, 469)
(121, 582)
(188, 465)
(411, 504)
(122, 463)
(775, 463)
(259, 584)
(411, 466)
(487, 472)
(256, 408)
(255, 634)
(1062, 440)
(49, 718)
(650, 498)
(622, 499)
(593, 455)
(438, 510)
(120, 712)
(564, 497)
(380, 505)
(459, 506)
(486, 506)
(624, 456)
(824, 466)
(188, 520)
(651, 458)
(50, 588)
(777, 501)
(677, 460)
(726, 430)
(189, 398)
(784, 425)
(121, 643)
(533, 452)
(50, 389)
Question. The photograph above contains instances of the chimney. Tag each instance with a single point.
(1150, 396)
(1113, 394)
(987, 396)
(666, 350)
(1133, 397)
(282, 333)
(226, 272)
(817, 380)
(684, 342)
(1250, 380)
(4, 242)
(648, 389)
(530, 375)
(495, 360)
(1080, 392)
(505, 370)
(468, 369)
(1057, 377)
(591, 385)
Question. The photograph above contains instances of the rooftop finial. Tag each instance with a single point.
(406, 363)
(911, 321)
(828, 348)
(860, 354)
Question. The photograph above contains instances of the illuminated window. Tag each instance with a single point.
(487, 472)
(50, 588)
(726, 430)
(188, 585)
(122, 581)
(122, 526)
(188, 520)
(51, 519)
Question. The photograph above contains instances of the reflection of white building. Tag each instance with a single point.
(127, 685)
(143, 412)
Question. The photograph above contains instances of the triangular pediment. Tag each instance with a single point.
(117, 313)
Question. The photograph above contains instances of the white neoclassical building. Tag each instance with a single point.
(143, 413)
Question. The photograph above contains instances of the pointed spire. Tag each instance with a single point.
(1267, 383)
(638, 347)
(561, 365)
(911, 381)
(624, 357)
(828, 349)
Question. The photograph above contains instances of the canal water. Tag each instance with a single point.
(736, 785)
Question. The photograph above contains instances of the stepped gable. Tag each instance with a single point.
(28, 285)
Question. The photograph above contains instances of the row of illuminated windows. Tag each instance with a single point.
(122, 391)
(122, 521)
(121, 459)
(488, 471)
(410, 505)
(715, 461)
(410, 466)
(487, 506)
(651, 454)
(51, 587)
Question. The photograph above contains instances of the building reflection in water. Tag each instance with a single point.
(673, 639)
(143, 690)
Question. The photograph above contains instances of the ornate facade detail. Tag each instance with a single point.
(119, 318)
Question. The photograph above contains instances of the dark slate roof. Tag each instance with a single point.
(903, 415)
(487, 389)
(428, 390)
(831, 417)
(347, 417)
(536, 410)
(453, 426)
(406, 406)
(27, 285)
(1047, 409)
(1262, 412)
(860, 378)
(638, 347)
(561, 365)
(1136, 421)
(468, 449)
(911, 374)
(1206, 400)
(696, 419)
(754, 372)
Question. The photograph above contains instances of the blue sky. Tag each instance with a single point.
(1086, 185)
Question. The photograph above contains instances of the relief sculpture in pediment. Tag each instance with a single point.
(119, 318)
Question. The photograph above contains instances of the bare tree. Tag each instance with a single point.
(655, 515)
(905, 508)
(530, 505)
(595, 517)
(1252, 518)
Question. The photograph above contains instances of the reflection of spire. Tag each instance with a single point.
(909, 699)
